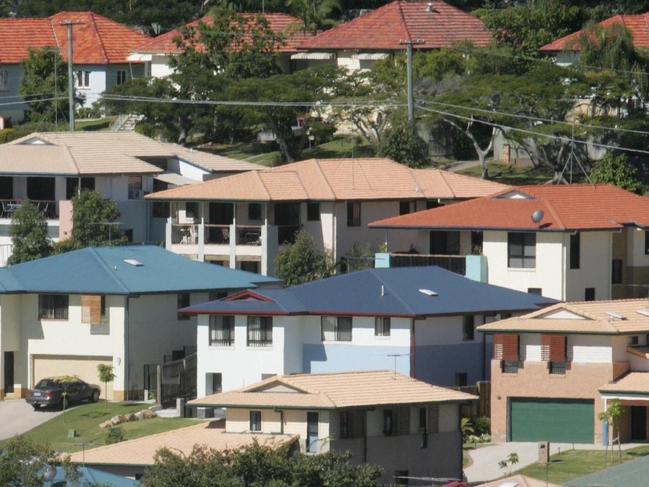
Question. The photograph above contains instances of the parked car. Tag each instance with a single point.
(61, 392)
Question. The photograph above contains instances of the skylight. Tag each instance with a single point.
(428, 292)
(133, 262)
(615, 316)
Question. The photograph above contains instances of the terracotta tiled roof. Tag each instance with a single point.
(637, 25)
(141, 451)
(633, 382)
(336, 179)
(97, 40)
(335, 390)
(565, 208)
(611, 317)
(387, 27)
(290, 27)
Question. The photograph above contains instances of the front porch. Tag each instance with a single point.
(632, 393)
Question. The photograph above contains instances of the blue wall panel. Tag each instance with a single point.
(345, 358)
(438, 364)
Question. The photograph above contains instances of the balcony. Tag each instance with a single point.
(249, 235)
(49, 209)
(184, 233)
(453, 263)
(217, 234)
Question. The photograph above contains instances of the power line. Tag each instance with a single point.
(531, 132)
(21, 102)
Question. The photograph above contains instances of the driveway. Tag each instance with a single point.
(17, 417)
(485, 460)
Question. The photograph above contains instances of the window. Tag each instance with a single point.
(222, 330)
(535, 290)
(191, 209)
(260, 331)
(589, 294)
(182, 301)
(388, 422)
(214, 382)
(554, 350)
(104, 308)
(468, 328)
(214, 295)
(121, 77)
(128, 233)
(53, 306)
(249, 266)
(506, 349)
(313, 212)
(444, 243)
(161, 209)
(616, 271)
(521, 250)
(477, 239)
(646, 242)
(461, 379)
(72, 186)
(404, 207)
(4, 80)
(255, 420)
(135, 188)
(353, 213)
(430, 204)
(634, 340)
(82, 79)
(336, 328)
(382, 326)
(575, 250)
(345, 424)
(254, 211)
(351, 424)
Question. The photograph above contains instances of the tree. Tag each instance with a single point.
(612, 416)
(402, 144)
(94, 221)
(45, 76)
(257, 465)
(302, 262)
(28, 234)
(615, 169)
(509, 462)
(316, 14)
(106, 375)
(24, 463)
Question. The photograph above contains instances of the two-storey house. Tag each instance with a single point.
(419, 321)
(50, 168)
(100, 50)
(242, 220)
(556, 370)
(64, 315)
(567, 242)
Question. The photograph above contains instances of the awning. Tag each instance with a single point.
(175, 179)
(315, 56)
(371, 56)
(139, 57)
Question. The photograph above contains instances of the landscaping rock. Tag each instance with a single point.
(139, 416)
(148, 414)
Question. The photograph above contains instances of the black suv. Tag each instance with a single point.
(50, 392)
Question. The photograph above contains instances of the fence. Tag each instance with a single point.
(178, 380)
(453, 263)
(481, 407)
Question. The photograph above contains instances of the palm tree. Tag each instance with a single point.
(316, 14)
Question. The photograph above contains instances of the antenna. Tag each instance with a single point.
(395, 356)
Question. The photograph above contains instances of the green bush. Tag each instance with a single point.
(114, 435)
(482, 426)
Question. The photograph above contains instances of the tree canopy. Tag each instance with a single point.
(94, 221)
(29, 236)
(302, 262)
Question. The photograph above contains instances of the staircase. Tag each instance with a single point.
(126, 122)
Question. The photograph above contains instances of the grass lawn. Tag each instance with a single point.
(99, 124)
(85, 420)
(577, 463)
(512, 175)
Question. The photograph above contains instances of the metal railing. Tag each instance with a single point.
(217, 234)
(453, 263)
(248, 234)
(49, 208)
(184, 233)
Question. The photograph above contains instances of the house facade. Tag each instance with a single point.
(50, 168)
(381, 33)
(100, 50)
(405, 426)
(574, 242)
(116, 306)
(411, 320)
(241, 221)
(555, 371)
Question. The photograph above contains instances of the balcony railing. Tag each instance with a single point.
(217, 234)
(49, 208)
(248, 235)
(184, 233)
(453, 263)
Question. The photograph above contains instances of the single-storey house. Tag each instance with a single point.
(65, 314)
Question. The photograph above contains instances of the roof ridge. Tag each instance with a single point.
(403, 19)
(74, 160)
(554, 213)
(396, 296)
(263, 185)
(443, 176)
(99, 37)
(110, 271)
(326, 179)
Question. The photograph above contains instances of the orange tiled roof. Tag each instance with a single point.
(637, 25)
(335, 180)
(565, 208)
(97, 40)
(385, 28)
(290, 27)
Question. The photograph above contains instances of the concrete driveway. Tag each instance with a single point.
(17, 417)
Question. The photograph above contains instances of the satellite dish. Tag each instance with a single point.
(537, 216)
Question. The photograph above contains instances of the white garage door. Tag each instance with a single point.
(85, 368)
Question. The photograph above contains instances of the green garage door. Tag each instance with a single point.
(556, 420)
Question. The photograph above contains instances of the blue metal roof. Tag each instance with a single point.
(90, 477)
(389, 292)
(105, 270)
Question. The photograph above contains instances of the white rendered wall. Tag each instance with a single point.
(594, 269)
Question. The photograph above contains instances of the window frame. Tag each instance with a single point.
(380, 326)
(587, 292)
(226, 323)
(338, 334)
(312, 211)
(121, 77)
(255, 421)
(82, 79)
(468, 322)
(135, 187)
(265, 331)
(47, 307)
(575, 251)
(617, 271)
(527, 241)
(354, 213)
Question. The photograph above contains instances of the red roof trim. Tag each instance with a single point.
(248, 294)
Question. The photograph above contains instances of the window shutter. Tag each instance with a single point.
(546, 344)
(557, 348)
(498, 346)
(91, 310)
(510, 348)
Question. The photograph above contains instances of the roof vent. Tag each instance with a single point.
(428, 292)
(615, 316)
(134, 262)
(429, 7)
(643, 311)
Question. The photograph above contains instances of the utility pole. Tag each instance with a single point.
(69, 25)
(410, 82)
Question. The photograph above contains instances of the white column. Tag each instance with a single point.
(168, 232)
(201, 239)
